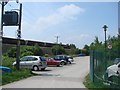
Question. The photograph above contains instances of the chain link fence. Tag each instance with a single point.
(105, 67)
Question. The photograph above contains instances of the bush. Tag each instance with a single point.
(57, 49)
(26, 50)
(37, 51)
(46, 55)
(15, 75)
(7, 61)
(12, 52)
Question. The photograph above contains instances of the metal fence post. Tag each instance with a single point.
(92, 66)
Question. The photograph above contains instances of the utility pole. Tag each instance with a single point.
(57, 37)
(18, 39)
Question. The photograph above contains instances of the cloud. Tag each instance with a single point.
(62, 14)
(69, 11)
(79, 40)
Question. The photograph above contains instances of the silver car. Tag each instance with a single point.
(33, 62)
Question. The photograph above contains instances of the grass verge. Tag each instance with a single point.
(15, 75)
(94, 86)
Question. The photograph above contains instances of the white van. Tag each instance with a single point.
(33, 62)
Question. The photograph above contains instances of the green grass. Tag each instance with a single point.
(94, 86)
(15, 75)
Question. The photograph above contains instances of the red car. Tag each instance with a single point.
(51, 61)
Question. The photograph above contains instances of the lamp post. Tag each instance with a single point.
(105, 29)
(18, 40)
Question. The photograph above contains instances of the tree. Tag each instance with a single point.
(96, 44)
(37, 51)
(86, 48)
(72, 46)
(57, 49)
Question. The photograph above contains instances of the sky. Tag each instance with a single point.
(74, 22)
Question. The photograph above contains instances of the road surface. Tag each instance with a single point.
(68, 76)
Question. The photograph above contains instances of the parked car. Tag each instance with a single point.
(33, 62)
(70, 59)
(51, 61)
(5, 69)
(113, 72)
(62, 58)
(117, 60)
(81, 54)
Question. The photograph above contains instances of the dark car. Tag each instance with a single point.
(62, 58)
(81, 54)
(51, 61)
(70, 59)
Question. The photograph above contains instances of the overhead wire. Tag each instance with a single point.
(28, 15)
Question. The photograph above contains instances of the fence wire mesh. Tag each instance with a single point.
(104, 67)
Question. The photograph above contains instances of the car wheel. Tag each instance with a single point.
(35, 68)
(42, 69)
(58, 65)
(69, 62)
(62, 63)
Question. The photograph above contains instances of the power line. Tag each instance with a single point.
(30, 14)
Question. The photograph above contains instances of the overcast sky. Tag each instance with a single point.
(73, 22)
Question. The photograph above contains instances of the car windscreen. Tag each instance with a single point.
(59, 57)
(24, 58)
(42, 58)
(69, 57)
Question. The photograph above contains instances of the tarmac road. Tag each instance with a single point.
(68, 76)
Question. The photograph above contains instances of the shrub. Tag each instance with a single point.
(26, 50)
(46, 55)
(7, 61)
(57, 49)
(12, 52)
(37, 50)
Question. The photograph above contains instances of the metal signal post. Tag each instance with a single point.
(10, 18)
(1, 30)
(18, 40)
